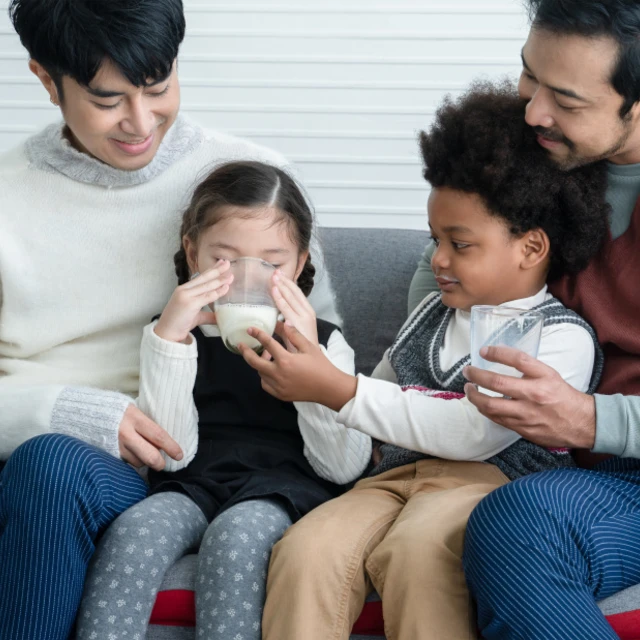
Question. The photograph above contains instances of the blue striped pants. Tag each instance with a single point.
(540, 551)
(57, 494)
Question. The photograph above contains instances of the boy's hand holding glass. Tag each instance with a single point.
(184, 309)
(295, 308)
(306, 375)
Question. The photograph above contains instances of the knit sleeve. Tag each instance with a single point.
(455, 429)
(449, 429)
(167, 376)
(91, 415)
(336, 454)
(618, 425)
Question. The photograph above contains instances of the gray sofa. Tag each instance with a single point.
(371, 271)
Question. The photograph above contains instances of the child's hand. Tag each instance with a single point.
(184, 310)
(295, 308)
(304, 376)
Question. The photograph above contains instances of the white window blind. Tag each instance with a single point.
(340, 89)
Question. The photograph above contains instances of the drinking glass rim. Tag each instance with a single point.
(486, 308)
(253, 259)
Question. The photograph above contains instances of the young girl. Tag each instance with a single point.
(252, 464)
(503, 218)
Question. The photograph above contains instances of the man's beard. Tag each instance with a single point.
(574, 160)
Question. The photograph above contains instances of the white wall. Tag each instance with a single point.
(340, 88)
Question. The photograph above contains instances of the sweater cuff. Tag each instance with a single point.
(611, 425)
(167, 348)
(91, 415)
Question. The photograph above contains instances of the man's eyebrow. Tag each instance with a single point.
(564, 92)
(104, 93)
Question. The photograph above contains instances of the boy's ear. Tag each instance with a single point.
(535, 248)
(191, 249)
(302, 259)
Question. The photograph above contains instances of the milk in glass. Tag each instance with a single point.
(234, 319)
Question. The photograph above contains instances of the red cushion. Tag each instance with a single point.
(370, 621)
(177, 608)
(626, 625)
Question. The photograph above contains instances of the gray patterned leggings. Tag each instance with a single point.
(132, 557)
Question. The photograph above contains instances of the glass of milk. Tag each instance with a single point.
(506, 327)
(248, 303)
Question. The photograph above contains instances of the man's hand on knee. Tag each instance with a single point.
(141, 441)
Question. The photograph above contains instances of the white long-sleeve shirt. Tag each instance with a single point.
(167, 377)
(455, 429)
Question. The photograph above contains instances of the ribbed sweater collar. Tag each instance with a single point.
(51, 151)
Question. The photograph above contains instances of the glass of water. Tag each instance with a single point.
(505, 327)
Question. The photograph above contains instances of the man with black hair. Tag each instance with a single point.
(541, 551)
(90, 210)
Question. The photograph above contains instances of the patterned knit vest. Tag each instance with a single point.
(415, 358)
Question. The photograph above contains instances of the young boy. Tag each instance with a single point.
(504, 219)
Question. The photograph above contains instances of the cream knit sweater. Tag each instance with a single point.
(86, 260)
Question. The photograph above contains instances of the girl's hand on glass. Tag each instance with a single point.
(184, 309)
(295, 308)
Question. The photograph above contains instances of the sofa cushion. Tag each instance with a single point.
(371, 270)
(173, 616)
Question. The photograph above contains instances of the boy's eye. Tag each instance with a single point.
(459, 245)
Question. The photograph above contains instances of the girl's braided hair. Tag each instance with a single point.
(247, 185)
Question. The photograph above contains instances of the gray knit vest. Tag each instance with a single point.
(415, 358)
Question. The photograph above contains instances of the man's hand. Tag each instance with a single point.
(141, 440)
(540, 406)
(304, 376)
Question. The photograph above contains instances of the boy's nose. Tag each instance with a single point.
(440, 260)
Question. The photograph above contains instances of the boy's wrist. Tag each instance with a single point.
(340, 390)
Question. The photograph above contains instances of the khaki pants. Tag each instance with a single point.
(401, 533)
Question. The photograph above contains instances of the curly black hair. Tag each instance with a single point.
(481, 144)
